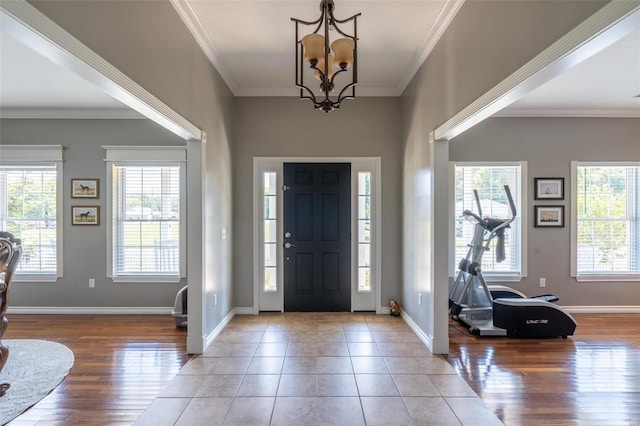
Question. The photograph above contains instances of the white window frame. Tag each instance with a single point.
(574, 225)
(145, 156)
(522, 211)
(360, 241)
(360, 300)
(29, 155)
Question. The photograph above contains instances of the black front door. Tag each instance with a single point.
(317, 237)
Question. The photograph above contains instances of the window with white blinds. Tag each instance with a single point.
(147, 234)
(489, 180)
(30, 214)
(606, 240)
(30, 185)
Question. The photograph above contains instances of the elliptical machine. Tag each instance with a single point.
(500, 310)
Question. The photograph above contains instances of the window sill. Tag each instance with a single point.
(502, 278)
(609, 278)
(34, 278)
(152, 279)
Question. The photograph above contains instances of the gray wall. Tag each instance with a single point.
(485, 43)
(289, 127)
(149, 43)
(84, 249)
(549, 145)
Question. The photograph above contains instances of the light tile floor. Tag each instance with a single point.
(317, 369)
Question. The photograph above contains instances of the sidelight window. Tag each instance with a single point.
(364, 231)
(270, 225)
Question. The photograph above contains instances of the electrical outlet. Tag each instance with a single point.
(92, 282)
(419, 298)
(215, 299)
(543, 282)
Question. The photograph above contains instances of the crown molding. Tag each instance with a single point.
(587, 113)
(71, 113)
(190, 19)
(442, 21)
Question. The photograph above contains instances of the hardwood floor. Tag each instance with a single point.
(123, 362)
(592, 378)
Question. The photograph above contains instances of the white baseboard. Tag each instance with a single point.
(245, 310)
(89, 310)
(428, 341)
(602, 309)
(216, 331)
(383, 310)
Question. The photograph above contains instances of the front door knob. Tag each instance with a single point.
(289, 245)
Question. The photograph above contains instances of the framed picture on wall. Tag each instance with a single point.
(549, 188)
(549, 216)
(85, 215)
(84, 188)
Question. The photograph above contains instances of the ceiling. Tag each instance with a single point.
(260, 63)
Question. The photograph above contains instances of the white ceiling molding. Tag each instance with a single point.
(441, 23)
(613, 22)
(71, 113)
(28, 25)
(190, 19)
(587, 113)
(194, 24)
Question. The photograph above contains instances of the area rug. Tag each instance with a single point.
(34, 368)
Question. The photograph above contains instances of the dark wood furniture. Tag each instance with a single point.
(10, 253)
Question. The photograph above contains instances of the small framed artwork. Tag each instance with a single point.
(85, 215)
(85, 188)
(549, 188)
(549, 216)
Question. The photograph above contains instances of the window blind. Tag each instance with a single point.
(608, 219)
(489, 181)
(146, 219)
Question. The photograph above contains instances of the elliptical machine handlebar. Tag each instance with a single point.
(491, 224)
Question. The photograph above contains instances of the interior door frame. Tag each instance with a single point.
(360, 301)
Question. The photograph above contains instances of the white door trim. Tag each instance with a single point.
(358, 164)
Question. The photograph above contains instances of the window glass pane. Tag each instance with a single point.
(270, 279)
(30, 213)
(364, 254)
(269, 183)
(270, 231)
(364, 231)
(364, 279)
(270, 210)
(270, 255)
(364, 183)
(608, 224)
(146, 220)
(364, 207)
(489, 182)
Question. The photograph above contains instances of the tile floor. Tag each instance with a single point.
(317, 369)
